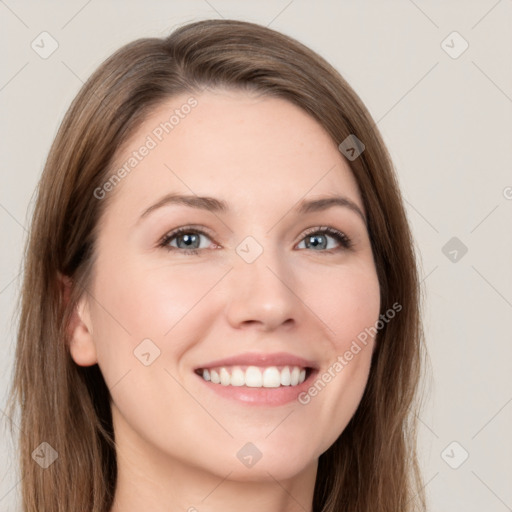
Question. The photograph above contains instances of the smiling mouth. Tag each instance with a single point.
(255, 376)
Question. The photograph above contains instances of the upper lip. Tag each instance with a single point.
(260, 359)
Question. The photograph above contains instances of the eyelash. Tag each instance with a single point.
(342, 238)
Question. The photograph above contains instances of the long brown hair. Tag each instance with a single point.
(373, 465)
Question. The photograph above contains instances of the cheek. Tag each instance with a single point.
(348, 304)
(351, 310)
(148, 301)
(136, 302)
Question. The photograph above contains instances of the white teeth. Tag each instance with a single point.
(286, 377)
(256, 377)
(214, 377)
(225, 378)
(295, 376)
(271, 377)
(237, 377)
(253, 377)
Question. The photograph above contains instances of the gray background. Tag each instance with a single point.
(447, 120)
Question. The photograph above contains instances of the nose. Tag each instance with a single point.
(262, 294)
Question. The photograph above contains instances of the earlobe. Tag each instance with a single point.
(79, 330)
(81, 343)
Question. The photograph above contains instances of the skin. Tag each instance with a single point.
(177, 440)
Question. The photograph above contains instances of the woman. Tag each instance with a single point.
(220, 305)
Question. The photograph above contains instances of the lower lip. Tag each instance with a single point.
(261, 396)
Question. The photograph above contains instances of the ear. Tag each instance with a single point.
(79, 329)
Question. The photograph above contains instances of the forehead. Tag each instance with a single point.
(238, 146)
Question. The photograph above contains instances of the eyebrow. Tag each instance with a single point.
(214, 205)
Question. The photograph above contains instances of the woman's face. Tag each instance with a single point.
(263, 289)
